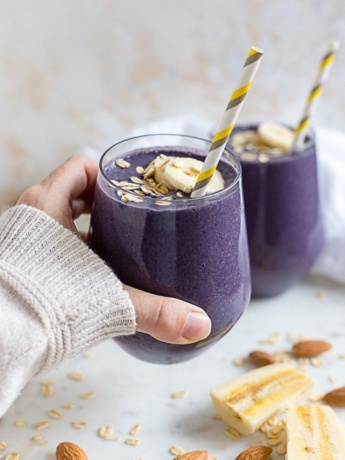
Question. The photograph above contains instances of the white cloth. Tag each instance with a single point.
(331, 168)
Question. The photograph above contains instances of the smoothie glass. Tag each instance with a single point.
(194, 249)
(283, 215)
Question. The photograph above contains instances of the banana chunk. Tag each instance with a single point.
(314, 432)
(276, 136)
(181, 173)
(248, 401)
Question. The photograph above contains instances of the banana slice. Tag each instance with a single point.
(248, 401)
(314, 432)
(159, 164)
(276, 136)
(182, 173)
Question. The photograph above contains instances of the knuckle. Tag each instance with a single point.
(170, 318)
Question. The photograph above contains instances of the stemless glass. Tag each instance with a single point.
(283, 216)
(193, 249)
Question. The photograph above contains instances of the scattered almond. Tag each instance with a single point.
(195, 455)
(310, 348)
(70, 451)
(335, 397)
(256, 453)
(261, 358)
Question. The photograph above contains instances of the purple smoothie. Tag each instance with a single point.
(193, 249)
(283, 216)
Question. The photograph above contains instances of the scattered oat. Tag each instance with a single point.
(217, 416)
(332, 378)
(136, 180)
(139, 169)
(79, 424)
(272, 421)
(37, 437)
(3, 445)
(42, 425)
(281, 449)
(316, 361)
(68, 406)
(44, 442)
(123, 164)
(175, 450)
(278, 428)
(88, 354)
(232, 433)
(163, 203)
(314, 397)
(106, 432)
(274, 338)
(77, 376)
(132, 441)
(20, 423)
(274, 441)
(178, 394)
(89, 395)
(47, 388)
(54, 413)
(135, 430)
(342, 356)
(238, 362)
(12, 456)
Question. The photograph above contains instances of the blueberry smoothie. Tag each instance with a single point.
(283, 215)
(164, 242)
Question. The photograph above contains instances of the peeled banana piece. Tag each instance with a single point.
(181, 173)
(276, 135)
(314, 433)
(248, 401)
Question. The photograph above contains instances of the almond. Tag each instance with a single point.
(256, 453)
(261, 358)
(310, 348)
(335, 397)
(70, 451)
(195, 455)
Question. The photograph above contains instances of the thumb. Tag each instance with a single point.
(167, 319)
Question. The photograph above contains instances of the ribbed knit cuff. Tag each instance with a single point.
(77, 298)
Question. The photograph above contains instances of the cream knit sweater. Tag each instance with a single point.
(57, 298)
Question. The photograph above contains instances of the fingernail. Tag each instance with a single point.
(197, 327)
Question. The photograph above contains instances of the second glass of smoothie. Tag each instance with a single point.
(282, 203)
(165, 242)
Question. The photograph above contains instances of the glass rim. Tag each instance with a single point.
(229, 188)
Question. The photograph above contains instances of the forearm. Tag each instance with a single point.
(57, 298)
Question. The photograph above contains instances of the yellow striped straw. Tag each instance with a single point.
(314, 96)
(228, 121)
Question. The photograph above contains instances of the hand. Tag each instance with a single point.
(66, 194)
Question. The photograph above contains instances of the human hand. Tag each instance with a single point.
(66, 194)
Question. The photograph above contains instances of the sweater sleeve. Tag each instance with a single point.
(57, 298)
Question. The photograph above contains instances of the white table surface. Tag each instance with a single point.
(129, 391)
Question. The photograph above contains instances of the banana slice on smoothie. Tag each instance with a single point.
(159, 164)
(314, 432)
(248, 401)
(276, 136)
(182, 174)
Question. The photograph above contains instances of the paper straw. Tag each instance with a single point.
(227, 122)
(314, 95)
